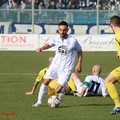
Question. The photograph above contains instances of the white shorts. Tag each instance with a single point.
(54, 72)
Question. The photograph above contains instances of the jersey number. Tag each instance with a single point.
(94, 87)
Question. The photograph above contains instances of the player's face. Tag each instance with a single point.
(62, 29)
(112, 27)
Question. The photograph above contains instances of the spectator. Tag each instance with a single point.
(14, 4)
(71, 5)
(22, 5)
(74, 4)
(60, 5)
(52, 5)
(2, 2)
(27, 2)
(5, 5)
(41, 6)
(65, 2)
(10, 5)
(47, 3)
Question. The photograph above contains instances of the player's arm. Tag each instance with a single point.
(33, 88)
(44, 47)
(118, 49)
(79, 64)
(104, 91)
(117, 43)
(38, 79)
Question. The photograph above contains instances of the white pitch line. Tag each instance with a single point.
(27, 74)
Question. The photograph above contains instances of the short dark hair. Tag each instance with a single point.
(63, 23)
(115, 20)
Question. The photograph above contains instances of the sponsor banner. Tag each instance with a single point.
(88, 42)
(18, 42)
(97, 42)
(29, 42)
(43, 28)
(4, 27)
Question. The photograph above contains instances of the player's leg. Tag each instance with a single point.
(109, 83)
(42, 91)
(62, 81)
(71, 84)
(50, 75)
(77, 82)
(51, 87)
(60, 90)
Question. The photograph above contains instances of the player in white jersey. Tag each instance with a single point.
(93, 84)
(63, 63)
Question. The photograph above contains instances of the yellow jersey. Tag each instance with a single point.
(116, 71)
(41, 74)
(117, 38)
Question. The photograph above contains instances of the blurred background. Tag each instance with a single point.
(50, 12)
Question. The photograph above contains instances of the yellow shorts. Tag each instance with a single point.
(116, 73)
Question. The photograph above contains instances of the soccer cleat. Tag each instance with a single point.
(36, 105)
(61, 96)
(115, 110)
(74, 94)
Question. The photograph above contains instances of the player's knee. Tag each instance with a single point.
(110, 78)
(74, 76)
(58, 89)
(46, 81)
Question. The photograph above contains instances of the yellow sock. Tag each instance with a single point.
(113, 93)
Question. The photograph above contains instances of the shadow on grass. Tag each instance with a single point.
(95, 105)
(91, 105)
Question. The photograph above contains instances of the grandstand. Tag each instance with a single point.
(80, 12)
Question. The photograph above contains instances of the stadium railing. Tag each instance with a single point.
(54, 16)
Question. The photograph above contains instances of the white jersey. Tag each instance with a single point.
(95, 85)
(63, 62)
(65, 52)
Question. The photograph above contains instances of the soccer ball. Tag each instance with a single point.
(53, 101)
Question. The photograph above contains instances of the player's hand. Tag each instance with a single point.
(79, 95)
(78, 69)
(29, 93)
(118, 56)
(38, 50)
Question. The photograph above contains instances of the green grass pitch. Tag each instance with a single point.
(18, 71)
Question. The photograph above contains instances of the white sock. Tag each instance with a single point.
(42, 91)
(61, 94)
(78, 83)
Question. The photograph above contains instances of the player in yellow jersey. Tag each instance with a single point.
(114, 76)
(39, 77)
(70, 84)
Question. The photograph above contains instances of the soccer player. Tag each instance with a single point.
(67, 89)
(63, 62)
(114, 75)
(39, 77)
(93, 84)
